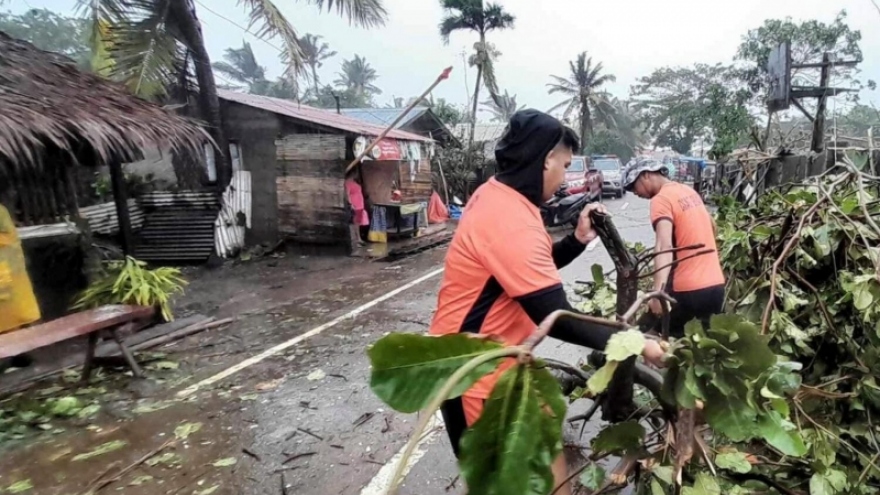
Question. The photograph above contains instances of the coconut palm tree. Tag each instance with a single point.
(584, 94)
(357, 76)
(155, 42)
(240, 65)
(474, 15)
(503, 107)
(315, 52)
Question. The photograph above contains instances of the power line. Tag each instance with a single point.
(246, 30)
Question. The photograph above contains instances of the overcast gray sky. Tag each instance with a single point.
(631, 38)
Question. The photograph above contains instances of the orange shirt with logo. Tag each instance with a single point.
(500, 251)
(691, 224)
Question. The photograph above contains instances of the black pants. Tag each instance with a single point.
(692, 305)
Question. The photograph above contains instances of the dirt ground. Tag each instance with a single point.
(277, 402)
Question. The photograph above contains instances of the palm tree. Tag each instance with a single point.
(473, 15)
(357, 76)
(156, 43)
(503, 107)
(315, 53)
(584, 94)
(240, 65)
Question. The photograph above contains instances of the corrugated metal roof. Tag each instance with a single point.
(313, 115)
(482, 132)
(384, 116)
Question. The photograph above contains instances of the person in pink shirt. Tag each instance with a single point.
(356, 200)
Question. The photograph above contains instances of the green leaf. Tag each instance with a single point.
(704, 484)
(20, 486)
(140, 480)
(593, 477)
(88, 411)
(733, 461)
(771, 428)
(598, 273)
(623, 345)
(663, 473)
(619, 438)
(602, 377)
(862, 297)
(656, 488)
(828, 483)
(101, 450)
(168, 458)
(183, 431)
(408, 369)
(209, 491)
(165, 365)
(65, 407)
(496, 451)
(226, 462)
(735, 419)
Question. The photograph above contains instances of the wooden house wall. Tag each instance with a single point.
(310, 188)
(415, 187)
(255, 131)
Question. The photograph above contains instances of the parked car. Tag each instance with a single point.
(612, 174)
(580, 177)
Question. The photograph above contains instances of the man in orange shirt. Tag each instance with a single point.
(680, 218)
(502, 268)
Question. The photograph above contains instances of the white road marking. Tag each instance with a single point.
(380, 483)
(624, 206)
(299, 338)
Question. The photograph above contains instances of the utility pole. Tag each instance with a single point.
(817, 144)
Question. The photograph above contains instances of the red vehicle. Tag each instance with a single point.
(580, 177)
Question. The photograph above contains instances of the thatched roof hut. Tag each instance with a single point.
(45, 99)
(52, 116)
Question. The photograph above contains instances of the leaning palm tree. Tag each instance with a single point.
(358, 76)
(156, 43)
(240, 65)
(474, 15)
(315, 52)
(503, 107)
(584, 94)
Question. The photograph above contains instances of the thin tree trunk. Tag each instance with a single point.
(585, 123)
(476, 100)
(209, 102)
(315, 80)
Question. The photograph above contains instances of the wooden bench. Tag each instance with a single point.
(92, 322)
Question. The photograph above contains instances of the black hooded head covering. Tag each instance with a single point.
(521, 152)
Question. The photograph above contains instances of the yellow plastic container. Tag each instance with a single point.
(18, 305)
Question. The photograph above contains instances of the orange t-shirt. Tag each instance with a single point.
(691, 224)
(500, 251)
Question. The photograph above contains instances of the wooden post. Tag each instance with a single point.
(818, 141)
(120, 197)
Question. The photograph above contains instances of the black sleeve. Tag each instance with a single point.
(582, 333)
(566, 250)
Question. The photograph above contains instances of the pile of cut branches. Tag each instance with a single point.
(803, 265)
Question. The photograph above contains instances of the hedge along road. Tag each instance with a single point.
(321, 428)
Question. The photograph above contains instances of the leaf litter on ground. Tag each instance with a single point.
(101, 450)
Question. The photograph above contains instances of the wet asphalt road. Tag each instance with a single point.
(336, 406)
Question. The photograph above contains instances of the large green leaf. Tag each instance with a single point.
(734, 419)
(771, 429)
(593, 477)
(408, 369)
(623, 345)
(704, 484)
(830, 482)
(619, 438)
(496, 452)
(733, 461)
